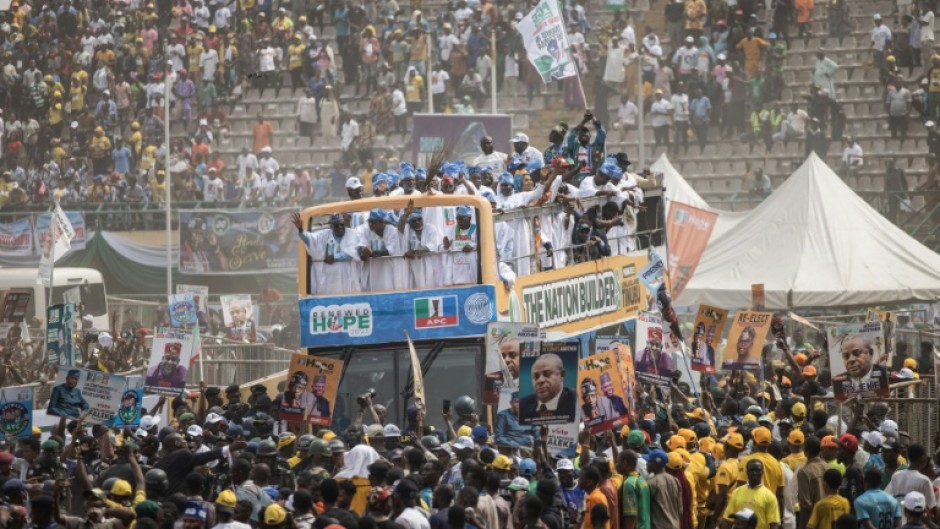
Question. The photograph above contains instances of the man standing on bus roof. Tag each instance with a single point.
(460, 243)
(423, 244)
(67, 399)
(336, 266)
(377, 247)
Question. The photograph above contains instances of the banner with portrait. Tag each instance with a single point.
(504, 343)
(237, 242)
(132, 401)
(201, 297)
(170, 355)
(547, 382)
(16, 412)
(624, 352)
(600, 395)
(858, 360)
(652, 363)
(60, 345)
(546, 42)
(239, 317)
(746, 338)
(653, 274)
(15, 305)
(310, 392)
(709, 326)
(889, 322)
(77, 391)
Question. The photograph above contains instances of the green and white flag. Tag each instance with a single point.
(546, 42)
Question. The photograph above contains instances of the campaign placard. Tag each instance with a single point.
(857, 359)
(504, 344)
(16, 412)
(78, 391)
(603, 404)
(132, 400)
(182, 309)
(749, 329)
(548, 376)
(201, 297)
(653, 364)
(170, 356)
(239, 317)
(709, 326)
(312, 384)
(60, 346)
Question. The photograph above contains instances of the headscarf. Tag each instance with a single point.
(356, 462)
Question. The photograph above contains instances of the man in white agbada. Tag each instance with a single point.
(336, 266)
(521, 229)
(505, 245)
(422, 247)
(824, 74)
(461, 255)
(380, 248)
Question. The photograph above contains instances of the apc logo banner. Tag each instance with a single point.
(433, 314)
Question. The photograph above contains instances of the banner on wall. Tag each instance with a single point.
(434, 133)
(709, 326)
(60, 346)
(312, 385)
(16, 238)
(76, 219)
(16, 412)
(239, 242)
(603, 403)
(98, 394)
(547, 381)
(858, 360)
(688, 229)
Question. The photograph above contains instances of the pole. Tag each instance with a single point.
(52, 235)
(168, 180)
(641, 129)
(493, 70)
(430, 69)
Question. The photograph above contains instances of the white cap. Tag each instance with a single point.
(213, 418)
(105, 340)
(88, 317)
(392, 431)
(520, 137)
(914, 501)
(141, 433)
(929, 123)
(203, 121)
(889, 427)
(194, 431)
(518, 483)
(463, 443)
(266, 149)
(877, 16)
(690, 40)
(149, 421)
(564, 464)
(353, 183)
(519, 16)
(722, 57)
(873, 438)
(906, 374)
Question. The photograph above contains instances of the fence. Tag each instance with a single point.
(226, 364)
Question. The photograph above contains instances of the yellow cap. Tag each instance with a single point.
(719, 451)
(798, 410)
(675, 461)
(748, 417)
(274, 514)
(285, 439)
(910, 363)
(796, 438)
(697, 413)
(47, 78)
(226, 498)
(135, 125)
(502, 463)
(688, 435)
(675, 442)
(762, 435)
(329, 435)
(464, 431)
(121, 488)
(706, 444)
(735, 439)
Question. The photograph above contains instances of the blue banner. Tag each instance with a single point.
(16, 412)
(60, 347)
(379, 318)
(132, 399)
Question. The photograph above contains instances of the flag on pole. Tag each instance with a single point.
(418, 378)
(57, 244)
(546, 41)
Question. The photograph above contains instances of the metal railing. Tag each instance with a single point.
(226, 364)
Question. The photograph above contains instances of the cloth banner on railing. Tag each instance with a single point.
(16, 238)
(76, 219)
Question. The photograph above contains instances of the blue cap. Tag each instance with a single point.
(450, 169)
(195, 510)
(611, 169)
(336, 218)
(463, 211)
(527, 467)
(514, 396)
(73, 373)
(379, 177)
(407, 172)
(772, 35)
(479, 433)
(515, 162)
(415, 215)
(421, 173)
(377, 215)
(535, 165)
(393, 177)
(461, 166)
(475, 170)
(657, 456)
(506, 178)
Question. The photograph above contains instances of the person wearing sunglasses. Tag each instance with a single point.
(169, 373)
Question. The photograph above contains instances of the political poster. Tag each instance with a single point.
(460, 133)
(504, 343)
(312, 385)
(561, 437)
(889, 321)
(749, 329)
(60, 346)
(600, 395)
(547, 382)
(16, 412)
(76, 219)
(182, 309)
(170, 355)
(546, 41)
(132, 400)
(687, 230)
(15, 305)
(239, 317)
(201, 297)
(652, 363)
(627, 369)
(237, 242)
(858, 360)
(654, 273)
(77, 391)
(709, 326)
(16, 238)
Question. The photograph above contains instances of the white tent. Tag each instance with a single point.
(814, 243)
(678, 189)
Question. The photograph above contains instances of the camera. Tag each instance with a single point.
(361, 399)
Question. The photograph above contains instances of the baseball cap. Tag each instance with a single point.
(796, 438)
(527, 467)
(873, 438)
(910, 363)
(688, 435)
(480, 433)
(502, 462)
(675, 442)
(636, 439)
(194, 431)
(657, 456)
(849, 442)
(828, 441)
(274, 514)
(914, 501)
(518, 483)
(674, 461)
(121, 488)
(906, 374)
(520, 137)
(889, 427)
(353, 183)
(799, 409)
(697, 413)
(374, 431)
(564, 464)
(392, 431)
(809, 371)
(463, 443)
(213, 418)
(761, 435)
(225, 501)
(800, 358)
(464, 431)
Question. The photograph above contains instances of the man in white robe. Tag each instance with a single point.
(336, 266)
(422, 247)
(380, 248)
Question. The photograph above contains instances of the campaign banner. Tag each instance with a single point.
(16, 238)
(504, 343)
(709, 326)
(749, 329)
(201, 297)
(15, 305)
(170, 354)
(653, 274)
(132, 400)
(858, 360)
(312, 384)
(687, 230)
(603, 404)
(561, 437)
(182, 309)
(461, 133)
(237, 242)
(239, 317)
(652, 364)
(16, 412)
(80, 390)
(426, 314)
(546, 41)
(547, 382)
(76, 219)
(889, 322)
(60, 346)
(627, 373)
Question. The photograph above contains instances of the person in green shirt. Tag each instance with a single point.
(634, 493)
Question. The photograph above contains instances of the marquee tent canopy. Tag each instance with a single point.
(814, 243)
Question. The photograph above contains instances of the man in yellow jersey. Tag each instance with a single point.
(756, 496)
(773, 474)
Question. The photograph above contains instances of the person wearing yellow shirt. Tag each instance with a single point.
(797, 458)
(77, 96)
(831, 506)
(56, 116)
(414, 90)
(59, 154)
(773, 473)
(755, 497)
(726, 476)
(194, 50)
(136, 139)
(148, 159)
(295, 61)
(158, 186)
(100, 151)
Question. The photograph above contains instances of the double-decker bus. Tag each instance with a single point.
(589, 302)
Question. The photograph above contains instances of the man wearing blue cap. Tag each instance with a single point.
(376, 244)
(379, 185)
(665, 492)
(423, 244)
(336, 266)
(67, 399)
(407, 182)
(600, 184)
(460, 244)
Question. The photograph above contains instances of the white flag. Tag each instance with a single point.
(57, 243)
(546, 42)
